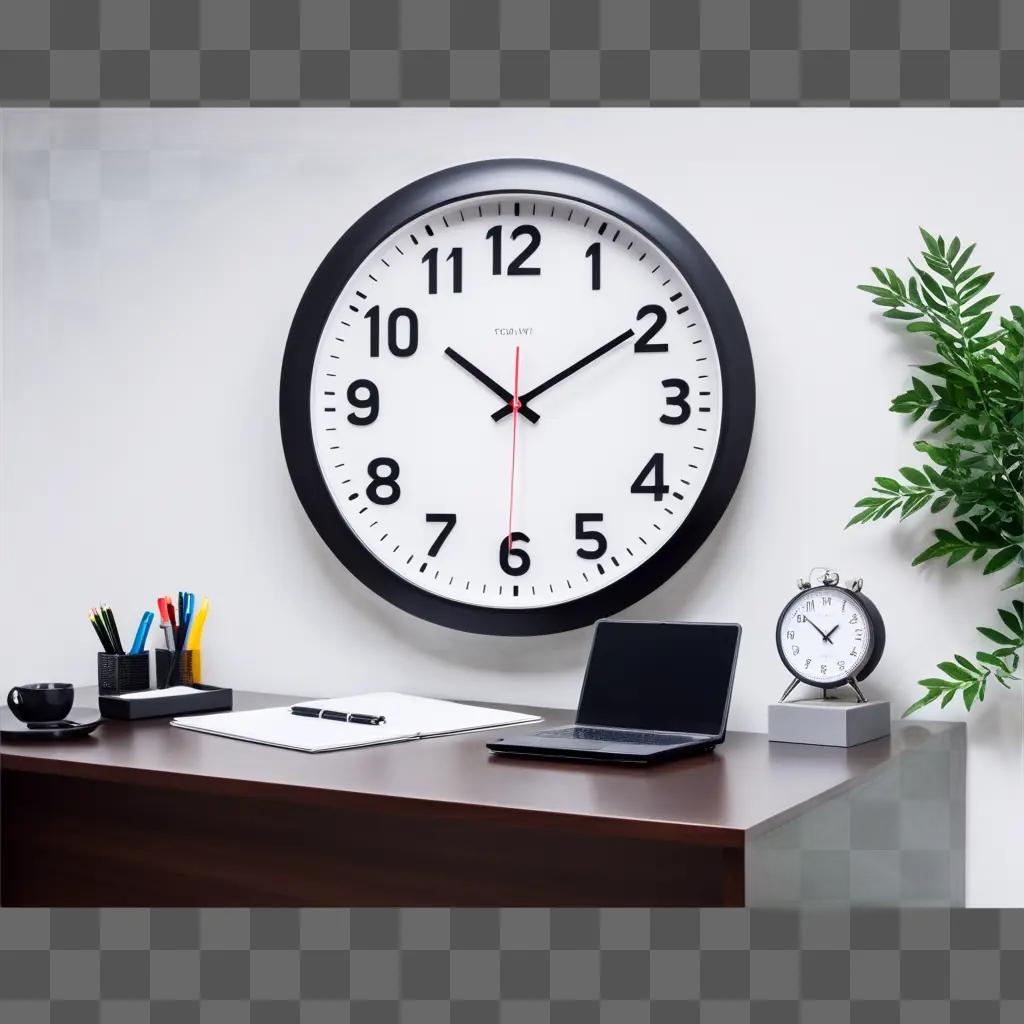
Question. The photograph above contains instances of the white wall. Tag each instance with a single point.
(153, 260)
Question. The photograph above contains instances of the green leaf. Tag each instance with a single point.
(972, 327)
(932, 286)
(994, 635)
(954, 671)
(979, 306)
(970, 693)
(937, 454)
(901, 314)
(875, 290)
(964, 257)
(886, 483)
(934, 551)
(990, 659)
(914, 504)
(923, 702)
(1001, 559)
(1011, 621)
(894, 282)
(975, 286)
(933, 246)
(940, 503)
(915, 476)
(950, 694)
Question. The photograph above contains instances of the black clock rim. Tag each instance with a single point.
(540, 177)
(877, 634)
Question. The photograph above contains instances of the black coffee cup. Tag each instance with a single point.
(41, 702)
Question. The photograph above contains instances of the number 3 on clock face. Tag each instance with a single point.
(634, 385)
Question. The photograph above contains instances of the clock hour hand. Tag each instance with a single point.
(491, 384)
(567, 372)
(824, 636)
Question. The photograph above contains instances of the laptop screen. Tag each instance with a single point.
(669, 676)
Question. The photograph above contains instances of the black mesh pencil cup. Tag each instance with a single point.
(122, 673)
(174, 668)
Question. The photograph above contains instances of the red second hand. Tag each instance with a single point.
(515, 417)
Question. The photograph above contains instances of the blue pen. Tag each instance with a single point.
(145, 632)
(190, 605)
(142, 633)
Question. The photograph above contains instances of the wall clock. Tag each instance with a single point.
(516, 397)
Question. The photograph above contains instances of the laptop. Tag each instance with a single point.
(652, 691)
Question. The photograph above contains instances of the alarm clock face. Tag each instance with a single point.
(825, 636)
(519, 406)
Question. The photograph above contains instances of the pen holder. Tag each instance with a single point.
(169, 673)
(122, 673)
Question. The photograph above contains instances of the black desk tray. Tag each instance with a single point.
(203, 698)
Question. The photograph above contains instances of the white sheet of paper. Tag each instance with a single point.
(407, 718)
(170, 691)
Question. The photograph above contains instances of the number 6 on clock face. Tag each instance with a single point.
(516, 397)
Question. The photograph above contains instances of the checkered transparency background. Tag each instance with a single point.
(512, 51)
(479, 966)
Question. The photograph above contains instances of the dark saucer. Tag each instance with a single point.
(80, 724)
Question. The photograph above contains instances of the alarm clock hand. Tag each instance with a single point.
(828, 635)
(492, 385)
(823, 635)
(558, 377)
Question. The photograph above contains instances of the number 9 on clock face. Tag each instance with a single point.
(515, 409)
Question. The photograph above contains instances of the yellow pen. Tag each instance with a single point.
(195, 638)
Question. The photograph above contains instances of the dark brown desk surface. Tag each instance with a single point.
(745, 787)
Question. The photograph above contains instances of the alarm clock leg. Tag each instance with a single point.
(789, 689)
(861, 699)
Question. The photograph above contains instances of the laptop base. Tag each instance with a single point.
(532, 745)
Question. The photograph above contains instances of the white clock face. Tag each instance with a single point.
(825, 635)
(412, 419)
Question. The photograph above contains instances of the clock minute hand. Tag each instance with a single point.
(824, 637)
(567, 372)
(490, 384)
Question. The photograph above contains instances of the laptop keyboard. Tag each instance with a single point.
(582, 732)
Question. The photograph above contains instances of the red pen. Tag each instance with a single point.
(168, 622)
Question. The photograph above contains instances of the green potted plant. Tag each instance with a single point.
(972, 395)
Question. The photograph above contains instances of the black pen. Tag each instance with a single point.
(338, 716)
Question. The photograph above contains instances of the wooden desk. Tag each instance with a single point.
(143, 814)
